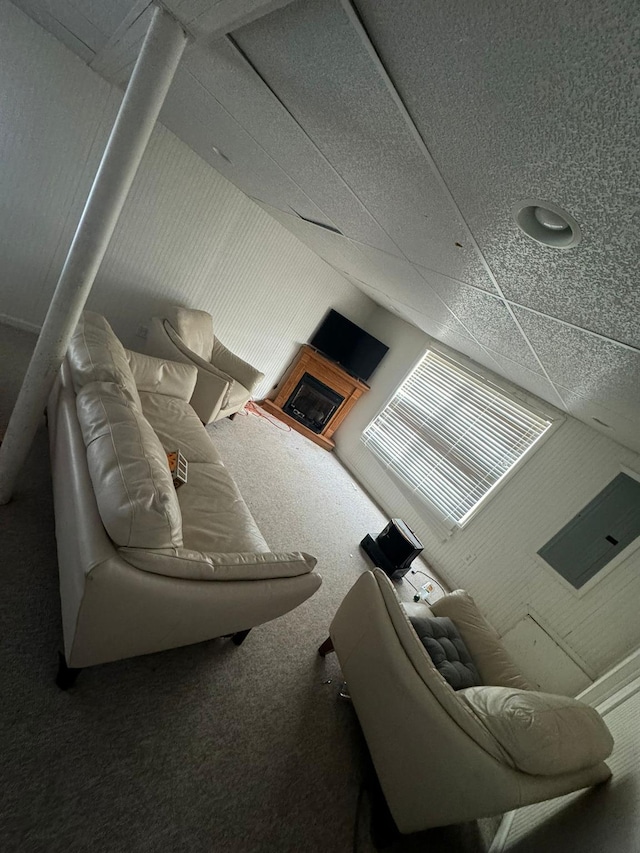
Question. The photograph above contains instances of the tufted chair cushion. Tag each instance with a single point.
(194, 327)
(447, 650)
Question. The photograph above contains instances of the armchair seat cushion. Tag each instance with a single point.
(543, 734)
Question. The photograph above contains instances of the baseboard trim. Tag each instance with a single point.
(24, 325)
(614, 686)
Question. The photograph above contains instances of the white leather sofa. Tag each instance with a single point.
(224, 382)
(143, 566)
(445, 756)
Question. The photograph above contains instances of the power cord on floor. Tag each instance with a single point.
(252, 408)
(432, 580)
(405, 578)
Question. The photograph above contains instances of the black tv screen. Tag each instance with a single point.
(358, 352)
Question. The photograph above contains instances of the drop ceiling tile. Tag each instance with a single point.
(454, 334)
(594, 368)
(404, 283)
(535, 383)
(536, 103)
(107, 17)
(401, 276)
(487, 319)
(80, 38)
(312, 57)
(458, 343)
(598, 417)
(372, 292)
(430, 275)
(193, 114)
(341, 253)
(230, 78)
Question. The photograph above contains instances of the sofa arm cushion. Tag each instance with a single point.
(243, 372)
(159, 376)
(489, 655)
(544, 735)
(196, 565)
(203, 366)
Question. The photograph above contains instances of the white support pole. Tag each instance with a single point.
(154, 70)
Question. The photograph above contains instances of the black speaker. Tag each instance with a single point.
(394, 549)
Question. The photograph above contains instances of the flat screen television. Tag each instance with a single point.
(358, 352)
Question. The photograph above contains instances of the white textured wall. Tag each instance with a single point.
(494, 556)
(186, 235)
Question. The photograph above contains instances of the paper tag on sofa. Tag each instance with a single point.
(179, 468)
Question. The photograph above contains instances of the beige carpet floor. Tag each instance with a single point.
(204, 748)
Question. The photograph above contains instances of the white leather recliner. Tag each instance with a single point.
(225, 381)
(444, 756)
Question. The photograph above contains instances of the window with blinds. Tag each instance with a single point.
(451, 436)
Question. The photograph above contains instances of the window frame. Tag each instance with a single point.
(447, 526)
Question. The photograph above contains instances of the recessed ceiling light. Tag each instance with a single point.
(546, 223)
(220, 154)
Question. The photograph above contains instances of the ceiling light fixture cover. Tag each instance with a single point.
(546, 223)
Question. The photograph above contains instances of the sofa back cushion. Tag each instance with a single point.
(96, 355)
(543, 734)
(194, 327)
(160, 376)
(128, 469)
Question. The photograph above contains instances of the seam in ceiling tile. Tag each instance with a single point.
(356, 21)
(318, 224)
(353, 18)
(415, 310)
(318, 150)
(401, 254)
(332, 226)
(136, 11)
(621, 344)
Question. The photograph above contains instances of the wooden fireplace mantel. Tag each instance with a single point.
(309, 360)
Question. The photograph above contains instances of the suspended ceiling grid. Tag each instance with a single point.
(412, 129)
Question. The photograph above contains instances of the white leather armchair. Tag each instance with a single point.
(225, 381)
(445, 756)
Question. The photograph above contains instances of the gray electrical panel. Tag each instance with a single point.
(598, 533)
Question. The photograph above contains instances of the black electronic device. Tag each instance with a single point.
(358, 352)
(394, 549)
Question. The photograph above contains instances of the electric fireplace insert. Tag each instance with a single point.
(312, 403)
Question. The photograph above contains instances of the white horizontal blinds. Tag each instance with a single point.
(451, 436)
